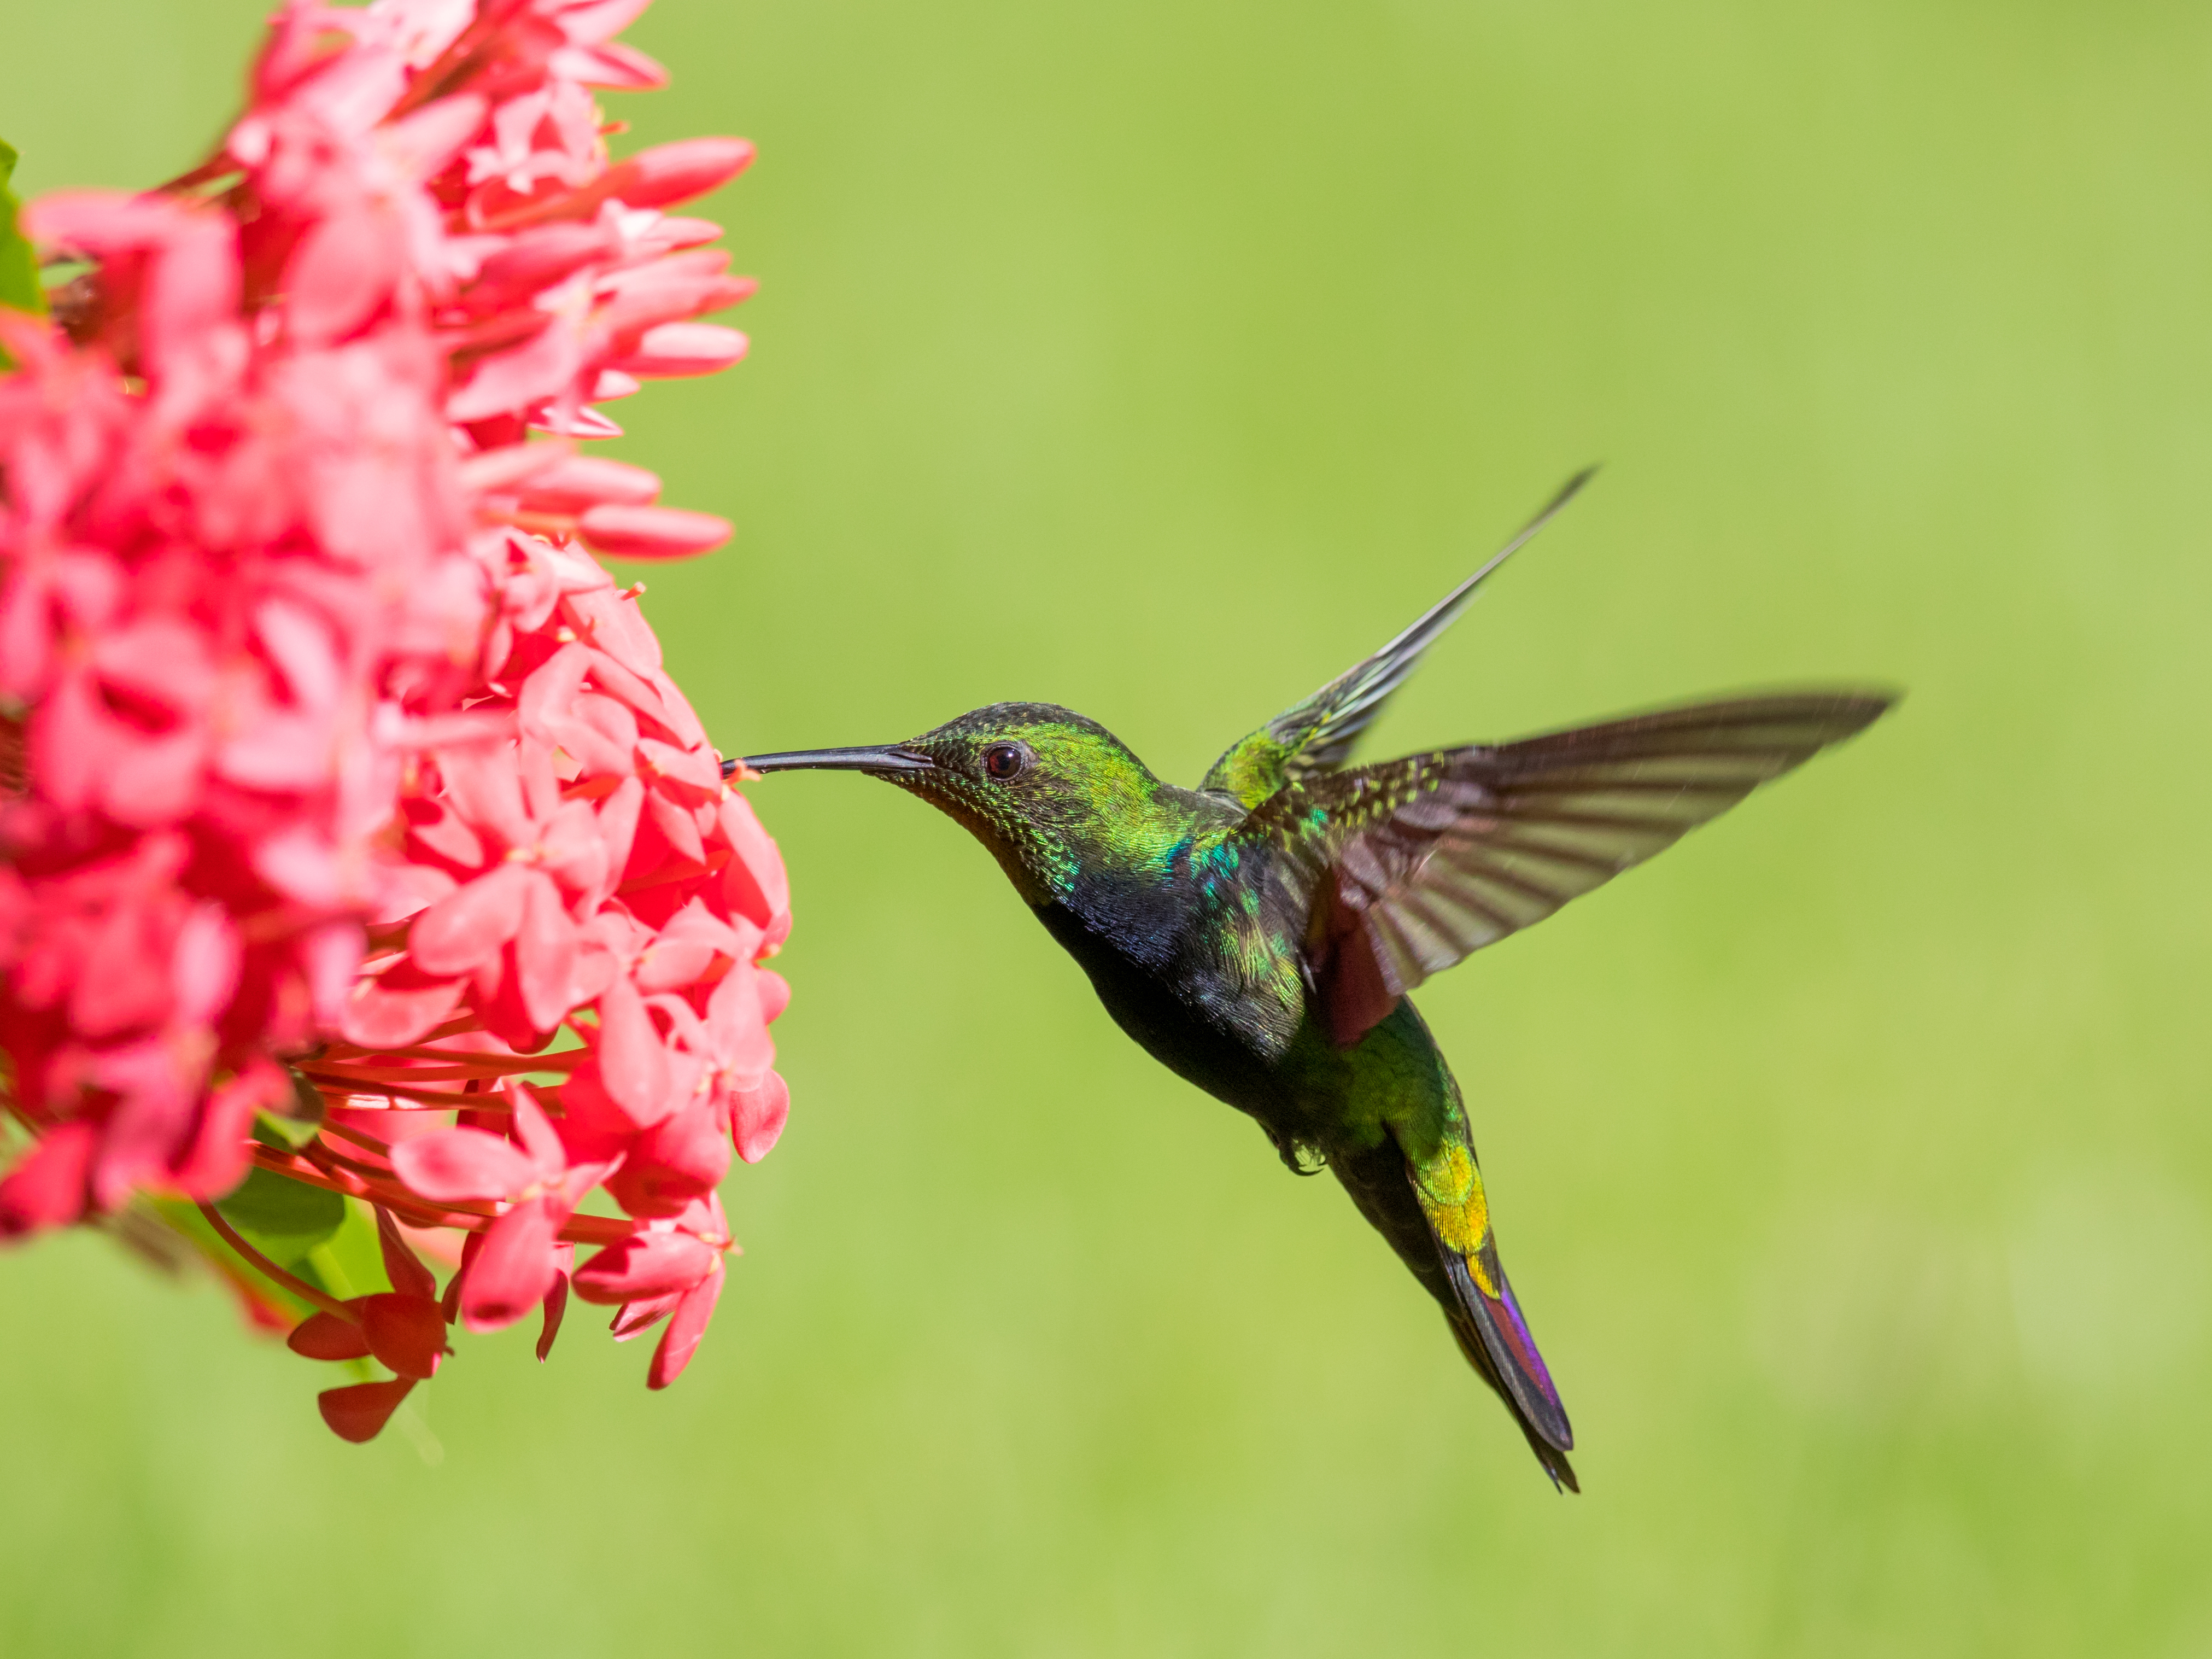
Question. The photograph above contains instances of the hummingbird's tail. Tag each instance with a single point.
(1490, 1330)
(1482, 1331)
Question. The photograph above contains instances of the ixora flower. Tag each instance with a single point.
(368, 888)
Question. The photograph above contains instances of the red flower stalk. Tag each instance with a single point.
(329, 759)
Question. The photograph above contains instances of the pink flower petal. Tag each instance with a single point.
(677, 1160)
(755, 882)
(685, 1329)
(676, 349)
(668, 173)
(633, 1066)
(635, 1319)
(514, 1271)
(382, 1015)
(756, 1117)
(458, 933)
(46, 1189)
(341, 272)
(586, 480)
(540, 1144)
(645, 1265)
(461, 1164)
(544, 953)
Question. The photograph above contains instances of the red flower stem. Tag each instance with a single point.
(597, 1230)
(359, 1137)
(375, 1080)
(577, 1229)
(270, 1270)
(427, 1096)
(561, 1060)
(417, 1212)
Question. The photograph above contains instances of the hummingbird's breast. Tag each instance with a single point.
(1193, 966)
(1156, 1008)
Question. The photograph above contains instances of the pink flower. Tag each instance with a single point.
(342, 763)
(519, 1261)
(672, 1270)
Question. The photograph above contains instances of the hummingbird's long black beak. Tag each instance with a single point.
(889, 758)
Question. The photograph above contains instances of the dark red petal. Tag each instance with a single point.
(359, 1413)
(681, 1340)
(407, 1333)
(450, 1304)
(401, 1264)
(325, 1336)
(556, 1305)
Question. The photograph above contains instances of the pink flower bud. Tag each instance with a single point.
(674, 349)
(653, 533)
(668, 173)
(582, 482)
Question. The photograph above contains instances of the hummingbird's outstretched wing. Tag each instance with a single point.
(1413, 865)
(1317, 735)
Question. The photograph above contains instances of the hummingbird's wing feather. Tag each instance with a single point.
(1414, 864)
(1317, 735)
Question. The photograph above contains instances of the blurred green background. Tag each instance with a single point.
(1854, 1160)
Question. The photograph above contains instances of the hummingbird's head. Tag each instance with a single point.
(1052, 795)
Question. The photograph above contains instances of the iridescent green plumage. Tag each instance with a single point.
(1258, 935)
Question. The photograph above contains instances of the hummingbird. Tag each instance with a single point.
(1258, 935)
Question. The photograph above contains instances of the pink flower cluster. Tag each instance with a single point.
(329, 756)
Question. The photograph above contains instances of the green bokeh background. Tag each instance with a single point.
(1157, 359)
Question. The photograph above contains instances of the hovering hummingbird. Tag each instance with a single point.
(1258, 935)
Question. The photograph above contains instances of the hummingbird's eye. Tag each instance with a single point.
(1003, 760)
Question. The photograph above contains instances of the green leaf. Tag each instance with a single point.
(283, 1220)
(20, 288)
(186, 1217)
(350, 1261)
